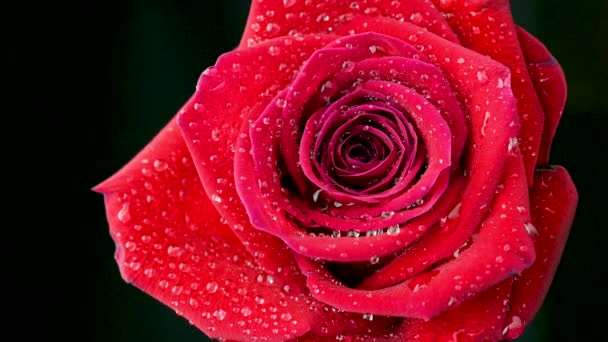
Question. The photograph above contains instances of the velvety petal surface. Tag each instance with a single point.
(213, 118)
(355, 171)
(477, 320)
(211, 139)
(487, 27)
(502, 247)
(553, 203)
(273, 18)
(173, 244)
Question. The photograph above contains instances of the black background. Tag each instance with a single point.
(130, 65)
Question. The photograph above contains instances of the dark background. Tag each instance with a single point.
(131, 65)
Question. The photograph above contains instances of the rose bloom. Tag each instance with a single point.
(355, 170)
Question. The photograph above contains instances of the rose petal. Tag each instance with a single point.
(303, 92)
(553, 202)
(425, 78)
(550, 84)
(265, 200)
(172, 244)
(487, 27)
(493, 117)
(274, 18)
(503, 248)
(476, 320)
(210, 123)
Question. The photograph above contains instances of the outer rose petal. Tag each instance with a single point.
(274, 18)
(550, 84)
(479, 319)
(172, 245)
(553, 203)
(503, 248)
(213, 118)
(486, 26)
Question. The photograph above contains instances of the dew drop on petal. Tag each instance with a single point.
(219, 314)
(212, 286)
(274, 50)
(288, 3)
(246, 311)
(374, 260)
(531, 229)
(123, 215)
(393, 230)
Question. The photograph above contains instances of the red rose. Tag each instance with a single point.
(372, 170)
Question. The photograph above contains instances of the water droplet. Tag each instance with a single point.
(531, 229)
(160, 165)
(445, 4)
(130, 245)
(455, 211)
(212, 286)
(286, 316)
(123, 215)
(368, 317)
(416, 18)
(387, 214)
(482, 76)
(288, 3)
(219, 314)
(216, 198)
(374, 260)
(393, 230)
(516, 323)
(215, 134)
(274, 50)
(513, 143)
(174, 251)
(315, 195)
(486, 118)
(246, 311)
